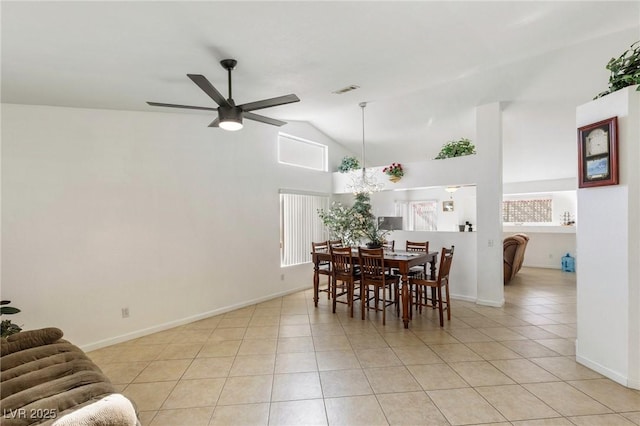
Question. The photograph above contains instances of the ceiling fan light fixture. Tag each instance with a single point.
(230, 118)
(230, 115)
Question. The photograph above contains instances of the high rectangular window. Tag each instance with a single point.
(299, 152)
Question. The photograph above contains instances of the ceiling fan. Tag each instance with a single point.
(230, 115)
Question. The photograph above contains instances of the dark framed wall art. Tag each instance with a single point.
(598, 153)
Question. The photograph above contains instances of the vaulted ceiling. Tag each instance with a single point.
(422, 66)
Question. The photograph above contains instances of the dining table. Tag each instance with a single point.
(403, 261)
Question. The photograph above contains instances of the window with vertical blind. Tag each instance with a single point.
(300, 225)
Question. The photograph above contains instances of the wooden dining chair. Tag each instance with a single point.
(442, 282)
(389, 245)
(336, 243)
(417, 271)
(345, 275)
(374, 277)
(324, 267)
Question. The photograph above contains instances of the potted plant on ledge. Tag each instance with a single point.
(625, 70)
(348, 164)
(457, 148)
(395, 172)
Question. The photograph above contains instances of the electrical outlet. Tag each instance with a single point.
(281, 277)
(490, 243)
(125, 312)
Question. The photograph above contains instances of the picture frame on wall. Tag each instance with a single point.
(598, 154)
(447, 206)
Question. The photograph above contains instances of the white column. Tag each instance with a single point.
(608, 251)
(489, 204)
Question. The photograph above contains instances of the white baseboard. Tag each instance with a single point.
(477, 301)
(542, 265)
(607, 372)
(463, 297)
(171, 324)
(495, 304)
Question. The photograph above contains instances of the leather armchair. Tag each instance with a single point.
(514, 247)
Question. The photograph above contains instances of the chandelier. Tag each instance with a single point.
(365, 183)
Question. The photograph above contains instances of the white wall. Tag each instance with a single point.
(547, 245)
(539, 141)
(608, 243)
(154, 211)
(464, 280)
(483, 170)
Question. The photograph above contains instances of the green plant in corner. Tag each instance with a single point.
(8, 328)
(457, 148)
(625, 70)
(348, 164)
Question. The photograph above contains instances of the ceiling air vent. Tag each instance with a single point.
(346, 89)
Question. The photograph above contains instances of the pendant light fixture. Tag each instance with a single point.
(366, 182)
(451, 190)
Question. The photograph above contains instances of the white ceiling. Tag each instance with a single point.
(422, 66)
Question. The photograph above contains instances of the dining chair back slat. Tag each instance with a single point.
(335, 243)
(389, 245)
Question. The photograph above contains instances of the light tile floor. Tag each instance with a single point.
(286, 362)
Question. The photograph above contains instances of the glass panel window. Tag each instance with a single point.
(527, 211)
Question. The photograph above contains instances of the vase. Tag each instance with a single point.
(371, 245)
(395, 179)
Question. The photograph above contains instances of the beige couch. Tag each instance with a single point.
(514, 248)
(45, 380)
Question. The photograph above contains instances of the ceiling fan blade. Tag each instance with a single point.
(208, 88)
(263, 119)
(215, 123)
(266, 103)
(181, 106)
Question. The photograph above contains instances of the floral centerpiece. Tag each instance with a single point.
(375, 235)
(395, 171)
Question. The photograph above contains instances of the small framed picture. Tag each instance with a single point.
(598, 153)
(447, 206)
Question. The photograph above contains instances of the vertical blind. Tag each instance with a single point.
(300, 225)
